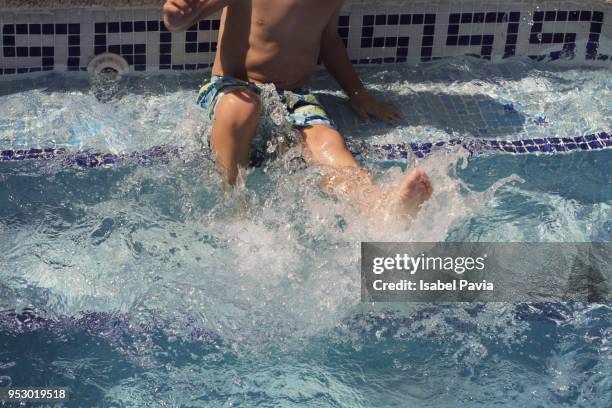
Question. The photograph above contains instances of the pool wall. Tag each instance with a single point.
(43, 36)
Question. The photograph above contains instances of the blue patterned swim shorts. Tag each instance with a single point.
(303, 108)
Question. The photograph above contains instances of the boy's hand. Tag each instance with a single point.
(180, 7)
(366, 106)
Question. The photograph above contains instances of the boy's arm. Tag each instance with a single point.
(181, 14)
(335, 58)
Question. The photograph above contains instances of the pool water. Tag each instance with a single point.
(144, 285)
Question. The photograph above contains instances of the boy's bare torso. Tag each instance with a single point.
(272, 41)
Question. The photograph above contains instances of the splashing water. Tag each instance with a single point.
(153, 290)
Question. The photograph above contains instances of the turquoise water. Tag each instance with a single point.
(148, 287)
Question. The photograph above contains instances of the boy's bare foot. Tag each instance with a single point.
(412, 191)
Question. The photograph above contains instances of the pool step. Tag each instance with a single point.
(401, 151)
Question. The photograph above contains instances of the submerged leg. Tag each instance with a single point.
(344, 178)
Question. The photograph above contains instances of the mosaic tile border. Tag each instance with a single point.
(402, 151)
(66, 40)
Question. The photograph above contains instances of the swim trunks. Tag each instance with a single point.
(303, 108)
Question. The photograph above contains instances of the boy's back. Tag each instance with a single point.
(272, 41)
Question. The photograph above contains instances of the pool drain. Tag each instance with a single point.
(108, 65)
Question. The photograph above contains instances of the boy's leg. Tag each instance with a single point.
(236, 118)
(346, 179)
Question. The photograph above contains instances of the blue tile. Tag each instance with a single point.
(165, 37)
(598, 16)
(61, 29)
(35, 29)
(127, 27)
(595, 145)
(48, 29)
(596, 28)
(152, 25)
(140, 26)
(113, 27)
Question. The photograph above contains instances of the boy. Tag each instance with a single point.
(279, 42)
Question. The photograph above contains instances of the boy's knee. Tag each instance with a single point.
(323, 137)
(239, 108)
